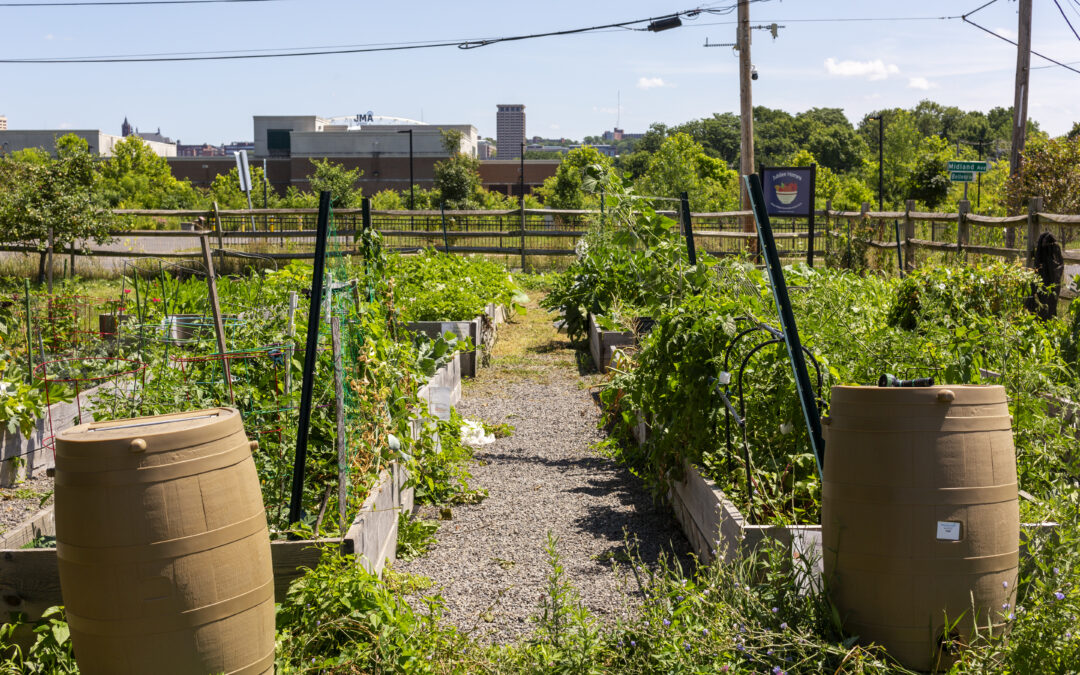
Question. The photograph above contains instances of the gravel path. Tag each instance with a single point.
(490, 563)
(19, 503)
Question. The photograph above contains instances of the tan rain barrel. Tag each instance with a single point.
(919, 514)
(163, 548)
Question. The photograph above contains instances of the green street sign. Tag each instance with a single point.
(961, 176)
(971, 167)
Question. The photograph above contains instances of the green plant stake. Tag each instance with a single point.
(29, 339)
(787, 318)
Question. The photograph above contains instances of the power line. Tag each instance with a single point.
(113, 3)
(1066, 17)
(1013, 43)
(461, 44)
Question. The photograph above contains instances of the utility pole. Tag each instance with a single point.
(1020, 99)
(746, 109)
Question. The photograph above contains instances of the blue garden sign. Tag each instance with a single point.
(789, 191)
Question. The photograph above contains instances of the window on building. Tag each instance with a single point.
(279, 142)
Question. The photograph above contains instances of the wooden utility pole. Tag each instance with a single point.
(746, 108)
(1020, 99)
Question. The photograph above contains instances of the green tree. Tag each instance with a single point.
(225, 190)
(339, 181)
(1049, 168)
(457, 178)
(62, 195)
(928, 179)
(826, 183)
(564, 189)
(718, 135)
(682, 165)
(137, 178)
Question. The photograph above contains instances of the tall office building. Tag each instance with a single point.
(509, 131)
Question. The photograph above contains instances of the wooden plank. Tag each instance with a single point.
(995, 221)
(42, 523)
(30, 578)
(215, 307)
(291, 558)
(1060, 219)
(157, 233)
(930, 215)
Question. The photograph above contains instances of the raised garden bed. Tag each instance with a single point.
(602, 343)
(30, 580)
(481, 331)
(26, 456)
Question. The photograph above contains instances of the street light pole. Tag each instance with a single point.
(412, 182)
(880, 117)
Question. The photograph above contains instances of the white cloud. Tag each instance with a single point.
(66, 125)
(553, 126)
(651, 83)
(49, 36)
(606, 111)
(871, 70)
(920, 83)
(1006, 33)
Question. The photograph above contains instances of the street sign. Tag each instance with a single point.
(961, 176)
(970, 167)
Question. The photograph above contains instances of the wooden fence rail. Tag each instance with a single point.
(289, 233)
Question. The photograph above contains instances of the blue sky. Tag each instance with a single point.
(570, 85)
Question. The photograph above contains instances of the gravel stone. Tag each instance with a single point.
(490, 564)
(18, 504)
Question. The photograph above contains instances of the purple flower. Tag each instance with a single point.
(768, 653)
(775, 610)
(666, 622)
(740, 647)
(1056, 571)
(783, 626)
(704, 632)
(633, 644)
(678, 598)
(1011, 616)
(1004, 584)
(687, 645)
(1059, 595)
(777, 670)
(1005, 606)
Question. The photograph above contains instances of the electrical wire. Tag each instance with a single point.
(114, 3)
(1013, 42)
(1066, 17)
(460, 44)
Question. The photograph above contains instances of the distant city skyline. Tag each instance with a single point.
(572, 86)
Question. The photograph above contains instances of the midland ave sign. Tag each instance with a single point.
(975, 167)
(964, 172)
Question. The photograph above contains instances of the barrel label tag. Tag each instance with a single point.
(948, 530)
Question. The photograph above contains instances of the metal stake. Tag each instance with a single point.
(310, 360)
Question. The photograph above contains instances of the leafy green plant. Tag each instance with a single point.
(415, 536)
(433, 286)
(51, 652)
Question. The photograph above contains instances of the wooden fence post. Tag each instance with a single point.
(219, 329)
(828, 227)
(962, 233)
(1034, 206)
(49, 251)
(220, 238)
(909, 234)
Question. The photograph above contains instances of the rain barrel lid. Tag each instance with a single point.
(970, 394)
(155, 433)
